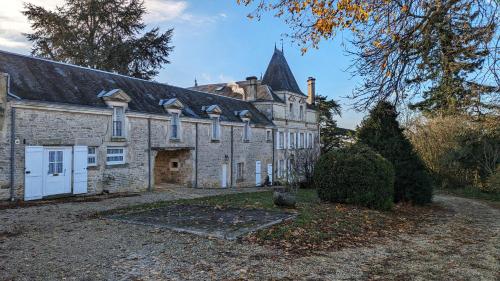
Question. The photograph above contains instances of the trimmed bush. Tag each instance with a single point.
(355, 175)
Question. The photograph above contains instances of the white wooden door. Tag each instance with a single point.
(80, 158)
(33, 173)
(224, 175)
(257, 173)
(57, 171)
(270, 173)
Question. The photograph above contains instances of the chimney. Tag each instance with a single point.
(4, 84)
(311, 90)
(251, 89)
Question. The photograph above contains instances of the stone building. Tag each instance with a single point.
(66, 129)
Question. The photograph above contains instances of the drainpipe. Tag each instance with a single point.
(150, 187)
(274, 132)
(196, 157)
(231, 168)
(12, 152)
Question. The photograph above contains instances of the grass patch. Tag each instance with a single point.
(470, 192)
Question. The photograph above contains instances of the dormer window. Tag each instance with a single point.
(118, 121)
(175, 125)
(215, 128)
(118, 100)
(246, 131)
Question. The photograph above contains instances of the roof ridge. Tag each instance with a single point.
(112, 73)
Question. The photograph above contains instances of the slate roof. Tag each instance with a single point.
(279, 76)
(48, 81)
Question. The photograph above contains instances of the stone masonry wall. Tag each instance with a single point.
(61, 128)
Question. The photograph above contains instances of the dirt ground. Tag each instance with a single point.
(63, 241)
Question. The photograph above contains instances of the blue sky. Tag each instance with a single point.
(215, 42)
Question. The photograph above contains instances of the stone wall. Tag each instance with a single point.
(45, 125)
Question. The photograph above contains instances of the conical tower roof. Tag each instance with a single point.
(279, 76)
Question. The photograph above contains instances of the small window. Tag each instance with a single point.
(175, 126)
(246, 131)
(174, 165)
(292, 140)
(301, 112)
(115, 155)
(302, 140)
(291, 109)
(118, 121)
(55, 162)
(215, 128)
(92, 156)
(240, 170)
(268, 135)
(310, 140)
(281, 140)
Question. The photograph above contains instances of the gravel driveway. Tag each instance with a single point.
(55, 242)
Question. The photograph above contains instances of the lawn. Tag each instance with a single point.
(318, 226)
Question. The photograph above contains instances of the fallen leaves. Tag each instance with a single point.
(324, 226)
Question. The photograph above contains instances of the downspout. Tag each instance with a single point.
(274, 147)
(231, 168)
(196, 157)
(150, 188)
(12, 152)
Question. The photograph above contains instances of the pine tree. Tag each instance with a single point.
(104, 34)
(381, 131)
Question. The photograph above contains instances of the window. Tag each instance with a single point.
(301, 140)
(246, 131)
(292, 140)
(310, 140)
(281, 140)
(174, 165)
(92, 156)
(281, 168)
(118, 121)
(175, 126)
(55, 162)
(115, 155)
(268, 135)
(291, 109)
(301, 112)
(215, 128)
(240, 171)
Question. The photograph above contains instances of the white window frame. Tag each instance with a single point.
(92, 156)
(247, 133)
(292, 140)
(175, 121)
(118, 118)
(123, 154)
(281, 168)
(281, 140)
(215, 128)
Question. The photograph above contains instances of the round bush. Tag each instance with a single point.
(355, 175)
